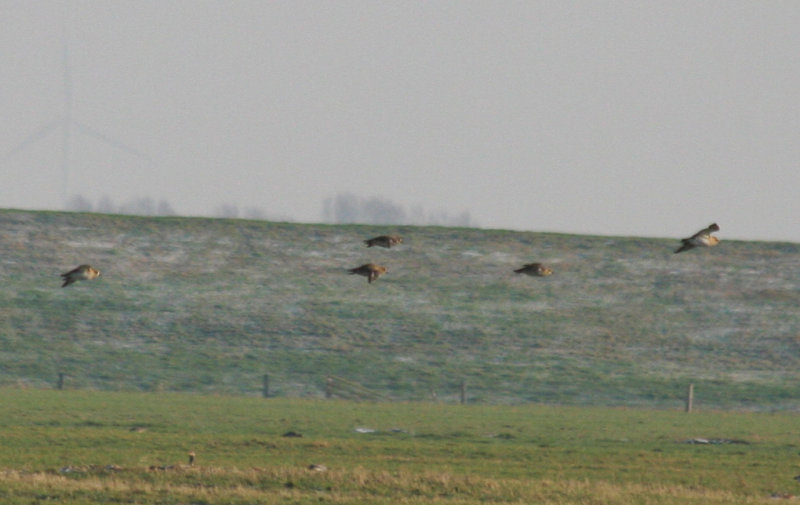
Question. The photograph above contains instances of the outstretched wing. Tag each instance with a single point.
(706, 232)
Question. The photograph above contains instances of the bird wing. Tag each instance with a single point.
(71, 272)
(706, 232)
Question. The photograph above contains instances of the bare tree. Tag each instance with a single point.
(343, 208)
(464, 219)
(383, 211)
(227, 210)
(105, 205)
(165, 209)
(350, 208)
(255, 213)
(79, 203)
(141, 206)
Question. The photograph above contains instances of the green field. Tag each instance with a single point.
(211, 306)
(81, 447)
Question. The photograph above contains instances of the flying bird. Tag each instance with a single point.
(534, 269)
(386, 241)
(369, 270)
(702, 238)
(81, 273)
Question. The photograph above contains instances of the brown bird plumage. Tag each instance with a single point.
(386, 241)
(702, 238)
(534, 269)
(369, 270)
(81, 273)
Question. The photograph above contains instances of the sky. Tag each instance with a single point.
(601, 117)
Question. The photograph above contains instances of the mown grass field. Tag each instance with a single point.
(211, 305)
(84, 447)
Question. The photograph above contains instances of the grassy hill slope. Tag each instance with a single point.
(210, 305)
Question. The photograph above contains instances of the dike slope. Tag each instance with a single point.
(212, 305)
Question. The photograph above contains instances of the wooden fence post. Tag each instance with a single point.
(690, 398)
(60, 383)
(328, 387)
(265, 386)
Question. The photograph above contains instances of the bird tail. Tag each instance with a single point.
(684, 247)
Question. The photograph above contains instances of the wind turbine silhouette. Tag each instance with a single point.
(66, 123)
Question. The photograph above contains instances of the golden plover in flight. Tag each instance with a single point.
(534, 269)
(702, 238)
(370, 270)
(386, 241)
(81, 273)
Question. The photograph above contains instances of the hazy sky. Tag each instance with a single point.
(616, 118)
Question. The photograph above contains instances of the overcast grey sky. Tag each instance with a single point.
(614, 118)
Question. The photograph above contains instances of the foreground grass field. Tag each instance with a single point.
(80, 447)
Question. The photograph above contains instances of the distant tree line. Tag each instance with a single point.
(232, 211)
(148, 206)
(350, 208)
(140, 206)
(342, 208)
